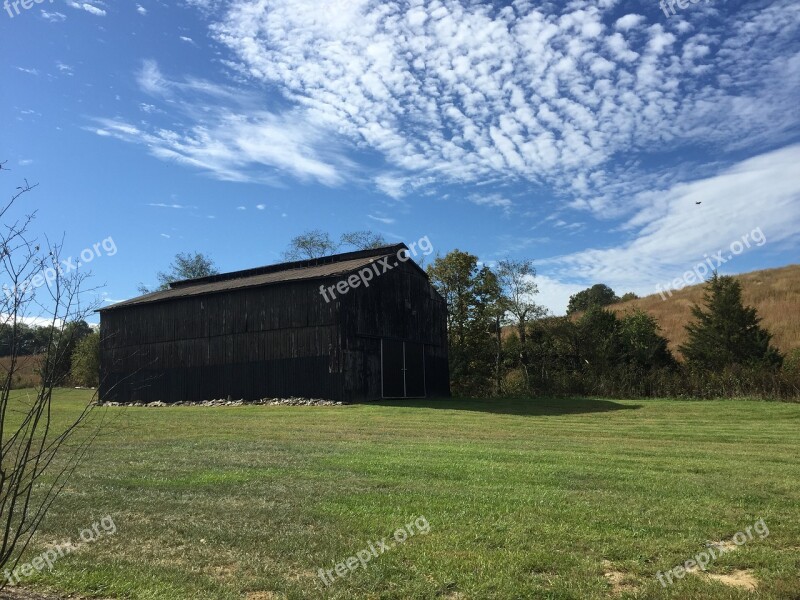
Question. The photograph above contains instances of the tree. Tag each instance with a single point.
(471, 293)
(316, 243)
(187, 265)
(601, 346)
(67, 338)
(628, 296)
(36, 286)
(86, 361)
(516, 279)
(363, 240)
(598, 295)
(310, 244)
(727, 333)
(643, 345)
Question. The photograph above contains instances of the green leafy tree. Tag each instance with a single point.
(86, 361)
(472, 294)
(63, 340)
(727, 332)
(518, 285)
(187, 265)
(628, 296)
(791, 363)
(598, 295)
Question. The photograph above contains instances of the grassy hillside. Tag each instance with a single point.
(774, 292)
(563, 499)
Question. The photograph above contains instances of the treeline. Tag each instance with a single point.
(501, 342)
(73, 353)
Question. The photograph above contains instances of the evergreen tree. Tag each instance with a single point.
(643, 345)
(727, 332)
(600, 347)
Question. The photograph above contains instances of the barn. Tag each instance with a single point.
(355, 326)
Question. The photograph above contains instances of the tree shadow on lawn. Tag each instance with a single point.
(512, 406)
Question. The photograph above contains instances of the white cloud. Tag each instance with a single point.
(33, 321)
(391, 185)
(261, 206)
(548, 93)
(53, 17)
(187, 39)
(382, 219)
(233, 142)
(163, 205)
(671, 233)
(141, 9)
(150, 78)
(90, 8)
(629, 21)
(28, 71)
(241, 208)
(492, 200)
(554, 295)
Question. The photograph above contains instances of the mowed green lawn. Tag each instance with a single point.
(525, 499)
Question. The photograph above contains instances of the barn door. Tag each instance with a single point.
(402, 369)
(415, 370)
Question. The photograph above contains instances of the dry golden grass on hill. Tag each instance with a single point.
(25, 375)
(775, 293)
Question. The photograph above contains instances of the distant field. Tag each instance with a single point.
(525, 499)
(25, 375)
(774, 292)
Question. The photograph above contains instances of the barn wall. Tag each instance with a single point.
(276, 340)
(270, 341)
(399, 304)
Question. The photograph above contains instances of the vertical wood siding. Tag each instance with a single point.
(276, 340)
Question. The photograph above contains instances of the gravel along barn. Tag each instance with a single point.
(354, 326)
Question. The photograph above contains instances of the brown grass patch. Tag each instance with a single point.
(741, 578)
(619, 581)
(25, 374)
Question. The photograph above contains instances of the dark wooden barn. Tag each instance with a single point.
(282, 330)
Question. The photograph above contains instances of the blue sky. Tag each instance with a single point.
(580, 134)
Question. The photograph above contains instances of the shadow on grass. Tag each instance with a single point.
(513, 406)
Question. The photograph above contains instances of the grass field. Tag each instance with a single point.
(524, 498)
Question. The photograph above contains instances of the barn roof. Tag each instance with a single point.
(315, 268)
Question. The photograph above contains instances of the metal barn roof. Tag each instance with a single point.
(316, 268)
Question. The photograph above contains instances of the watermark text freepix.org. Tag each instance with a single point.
(702, 559)
(46, 560)
(50, 274)
(707, 266)
(15, 4)
(419, 525)
(375, 269)
(682, 4)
